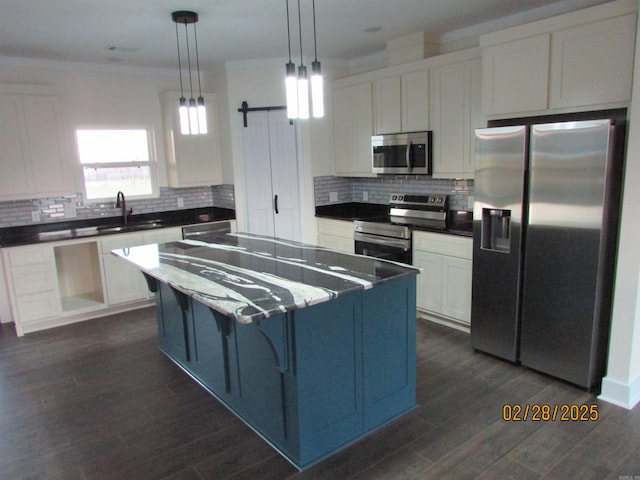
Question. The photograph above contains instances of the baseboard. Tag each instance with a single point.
(621, 394)
(449, 322)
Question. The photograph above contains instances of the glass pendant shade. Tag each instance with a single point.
(183, 111)
(303, 93)
(317, 90)
(291, 85)
(202, 116)
(193, 117)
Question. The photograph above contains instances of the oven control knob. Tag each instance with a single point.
(400, 198)
(394, 198)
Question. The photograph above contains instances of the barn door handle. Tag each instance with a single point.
(275, 203)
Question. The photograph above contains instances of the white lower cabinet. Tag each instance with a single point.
(57, 283)
(444, 285)
(32, 283)
(123, 282)
(336, 234)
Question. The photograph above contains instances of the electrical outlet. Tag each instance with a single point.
(180, 202)
(470, 201)
(365, 196)
(35, 216)
(333, 196)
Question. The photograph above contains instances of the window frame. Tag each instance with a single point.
(152, 163)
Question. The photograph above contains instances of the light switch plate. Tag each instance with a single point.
(333, 196)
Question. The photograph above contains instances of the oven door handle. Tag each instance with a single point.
(386, 241)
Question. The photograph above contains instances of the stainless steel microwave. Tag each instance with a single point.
(402, 153)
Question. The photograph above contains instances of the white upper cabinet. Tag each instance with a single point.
(593, 64)
(455, 114)
(402, 103)
(35, 144)
(192, 160)
(515, 75)
(576, 61)
(352, 129)
(415, 101)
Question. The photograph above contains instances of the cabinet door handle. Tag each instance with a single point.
(409, 156)
(275, 204)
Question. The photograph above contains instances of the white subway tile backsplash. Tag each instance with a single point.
(24, 212)
(379, 189)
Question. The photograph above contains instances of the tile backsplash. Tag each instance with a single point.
(68, 207)
(378, 189)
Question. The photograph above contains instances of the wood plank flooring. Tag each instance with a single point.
(98, 401)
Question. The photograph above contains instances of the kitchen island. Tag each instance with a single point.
(312, 348)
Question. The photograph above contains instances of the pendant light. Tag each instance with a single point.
(193, 116)
(291, 82)
(303, 80)
(297, 87)
(317, 87)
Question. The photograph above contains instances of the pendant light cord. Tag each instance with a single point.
(195, 34)
(300, 30)
(315, 41)
(179, 63)
(288, 32)
(186, 35)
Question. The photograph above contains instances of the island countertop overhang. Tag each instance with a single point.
(250, 277)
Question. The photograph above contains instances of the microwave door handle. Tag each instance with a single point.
(409, 156)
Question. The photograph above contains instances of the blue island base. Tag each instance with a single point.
(310, 381)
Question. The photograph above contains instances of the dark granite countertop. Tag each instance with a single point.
(249, 277)
(73, 229)
(460, 221)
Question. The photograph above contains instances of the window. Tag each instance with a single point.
(116, 159)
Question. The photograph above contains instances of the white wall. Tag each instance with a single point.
(621, 384)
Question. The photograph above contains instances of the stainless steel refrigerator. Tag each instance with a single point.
(545, 224)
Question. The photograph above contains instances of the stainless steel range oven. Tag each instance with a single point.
(390, 237)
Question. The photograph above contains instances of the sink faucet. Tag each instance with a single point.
(122, 205)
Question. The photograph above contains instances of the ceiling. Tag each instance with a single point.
(141, 32)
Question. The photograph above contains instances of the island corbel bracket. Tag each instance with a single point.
(183, 301)
(152, 283)
(224, 327)
(275, 330)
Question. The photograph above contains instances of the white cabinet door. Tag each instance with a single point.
(271, 175)
(593, 63)
(36, 153)
(415, 101)
(456, 113)
(352, 130)
(402, 103)
(124, 282)
(429, 285)
(388, 105)
(192, 160)
(516, 76)
(16, 178)
(456, 288)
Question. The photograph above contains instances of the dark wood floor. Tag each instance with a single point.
(97, 400)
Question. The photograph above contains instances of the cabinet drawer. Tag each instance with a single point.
(443, 244)
(38, 306)
(162, 235)
(29, 256)
(337, 228)
(33, 278)
(121, 240)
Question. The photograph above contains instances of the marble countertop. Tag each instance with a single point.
(250, 277)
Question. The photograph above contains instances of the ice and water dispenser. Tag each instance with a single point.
(496, 230)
